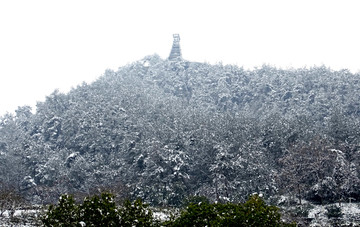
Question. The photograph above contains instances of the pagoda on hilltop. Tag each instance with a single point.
(175, 53)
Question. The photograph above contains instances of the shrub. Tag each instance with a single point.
(136, 214)
(99, 211)
(254, 212)
(200, 214)
(66, 213)
(102, 211)
(333, 211)
(257, 213)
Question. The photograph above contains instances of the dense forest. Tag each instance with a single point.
(165, 130)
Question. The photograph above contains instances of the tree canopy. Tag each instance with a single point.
(163, 131)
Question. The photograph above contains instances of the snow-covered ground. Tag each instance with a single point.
(351, 215)
(164, 214)
(161, 216)
(20, 218)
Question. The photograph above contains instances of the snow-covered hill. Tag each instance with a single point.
(165, 130)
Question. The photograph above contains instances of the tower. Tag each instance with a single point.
(175, 50)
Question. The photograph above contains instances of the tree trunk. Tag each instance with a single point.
(299, 191)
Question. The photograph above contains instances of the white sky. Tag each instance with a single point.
(47, 44)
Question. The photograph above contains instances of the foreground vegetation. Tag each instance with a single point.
(103, 211)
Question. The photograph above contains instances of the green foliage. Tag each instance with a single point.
(102, 211)
(136, 214)
(66, 213)
(257, 213)
(98, 211)
(254, 212)
(201, 214)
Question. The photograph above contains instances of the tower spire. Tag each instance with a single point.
(175, 50)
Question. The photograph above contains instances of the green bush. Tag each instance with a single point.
(66, 213)
(98, 211)
(102, 211)
(257, 213)
(136, 214)
(254, 212)
(201, 214)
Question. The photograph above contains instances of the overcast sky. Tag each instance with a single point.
(48, 44)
